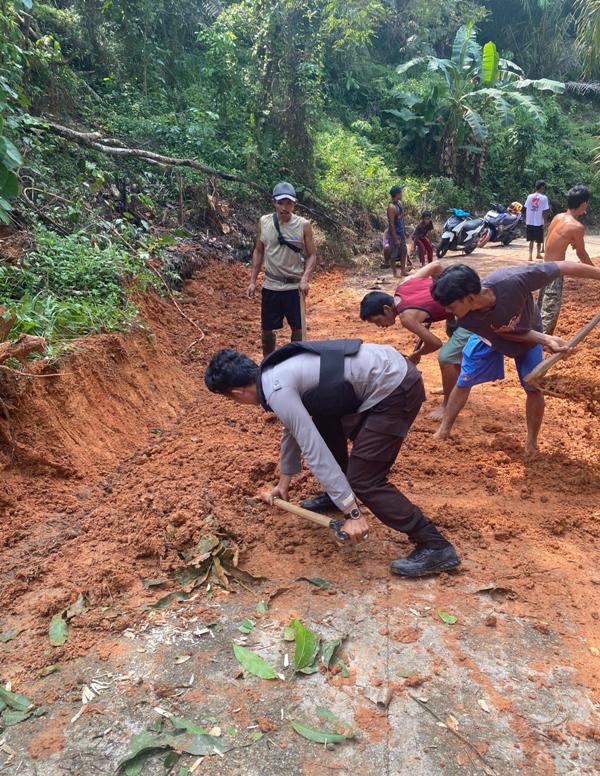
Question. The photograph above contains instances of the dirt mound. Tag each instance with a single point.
(199, 461)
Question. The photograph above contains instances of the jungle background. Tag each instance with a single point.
(463, 103)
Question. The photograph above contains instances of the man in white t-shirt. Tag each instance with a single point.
(536, 207)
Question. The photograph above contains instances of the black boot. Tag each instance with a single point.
(425, 560)
(320, 503)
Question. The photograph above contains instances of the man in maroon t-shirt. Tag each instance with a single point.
(417, 310)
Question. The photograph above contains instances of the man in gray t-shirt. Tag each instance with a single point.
(505, 321)
(325, 393)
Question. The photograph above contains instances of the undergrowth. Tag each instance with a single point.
(74, 285)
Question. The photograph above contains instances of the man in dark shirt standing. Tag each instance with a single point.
(505, 321)
(394, 237)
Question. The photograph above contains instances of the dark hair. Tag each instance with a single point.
(426, 214)
(455, 283)
(577, 196)
(395, 190)
(540, 184)
(229, 369)
(372, 304)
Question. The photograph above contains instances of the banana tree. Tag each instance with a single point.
(474, 78)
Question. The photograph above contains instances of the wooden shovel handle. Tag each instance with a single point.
(303, 316)
(300, 511)
(540, 370)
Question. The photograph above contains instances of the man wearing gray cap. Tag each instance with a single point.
(285, 245)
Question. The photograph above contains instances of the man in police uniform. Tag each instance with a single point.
(325, 392)
(285, 245)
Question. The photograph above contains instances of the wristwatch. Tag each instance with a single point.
(354, 514)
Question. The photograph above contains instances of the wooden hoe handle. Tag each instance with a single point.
(314, 517)
(540, 370)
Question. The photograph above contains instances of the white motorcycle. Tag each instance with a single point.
(462, 232)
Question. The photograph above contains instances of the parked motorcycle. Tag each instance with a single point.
(462, 231)
(501, 223)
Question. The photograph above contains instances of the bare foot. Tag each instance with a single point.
(437, 391)
(436, 414)
(441, 434)
(531, 450)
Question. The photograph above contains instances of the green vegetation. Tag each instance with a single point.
(343, 97)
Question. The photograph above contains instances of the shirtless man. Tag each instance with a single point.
(565, 229)
(416, 309)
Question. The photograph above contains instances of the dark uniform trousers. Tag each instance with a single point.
(377, 436)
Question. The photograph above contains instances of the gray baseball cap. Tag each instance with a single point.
(285, 190)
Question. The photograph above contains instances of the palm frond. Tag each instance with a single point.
(541, 84)
(583, 88)
(529, 104)
(475, 121)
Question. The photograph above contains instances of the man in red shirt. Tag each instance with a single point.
(417, 310)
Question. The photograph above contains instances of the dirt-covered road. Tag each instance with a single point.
(155, 463)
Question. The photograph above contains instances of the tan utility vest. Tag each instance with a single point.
(283, 268)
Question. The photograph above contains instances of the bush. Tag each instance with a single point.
(350, 169)
(71, 286)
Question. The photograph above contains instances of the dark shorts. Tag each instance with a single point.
(535, 234)
(277, 305)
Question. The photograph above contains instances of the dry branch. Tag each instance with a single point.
(115, 147)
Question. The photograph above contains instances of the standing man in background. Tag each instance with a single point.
(285, 244)
(536, 209)
(394, 237)
(565, 230)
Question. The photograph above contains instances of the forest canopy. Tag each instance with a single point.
(463, 102)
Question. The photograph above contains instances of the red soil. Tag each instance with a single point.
(528, 525)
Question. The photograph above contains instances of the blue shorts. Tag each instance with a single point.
(483, 364)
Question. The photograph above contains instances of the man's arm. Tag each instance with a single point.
(288, 407)
(411, 322)
(578, 243)
(532, 337)
(392, 215)
(310, 260)
(428, 271)
(257, 262)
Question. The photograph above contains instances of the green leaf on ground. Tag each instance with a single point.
(261, 607)
(181, 723)
(166, 600)
(141, 746)
(328, 651)
(58, 631)
(311, 669)
(317, 581)
(189, 574)
(289, 633)
(307, 645)
(256, 735)
(343, 666)
(253, 663)
(9, 635)
(318, 736)
(47, 670)
(154, 582)
(449, 619)
(10, 717)
(335, 723)
(170, 760)
(15, 700)
(246, 626)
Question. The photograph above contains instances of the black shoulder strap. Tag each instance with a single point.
(281, 238)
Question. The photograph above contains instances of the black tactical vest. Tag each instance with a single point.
(334, 395)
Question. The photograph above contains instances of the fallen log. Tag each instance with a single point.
(114, 147)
